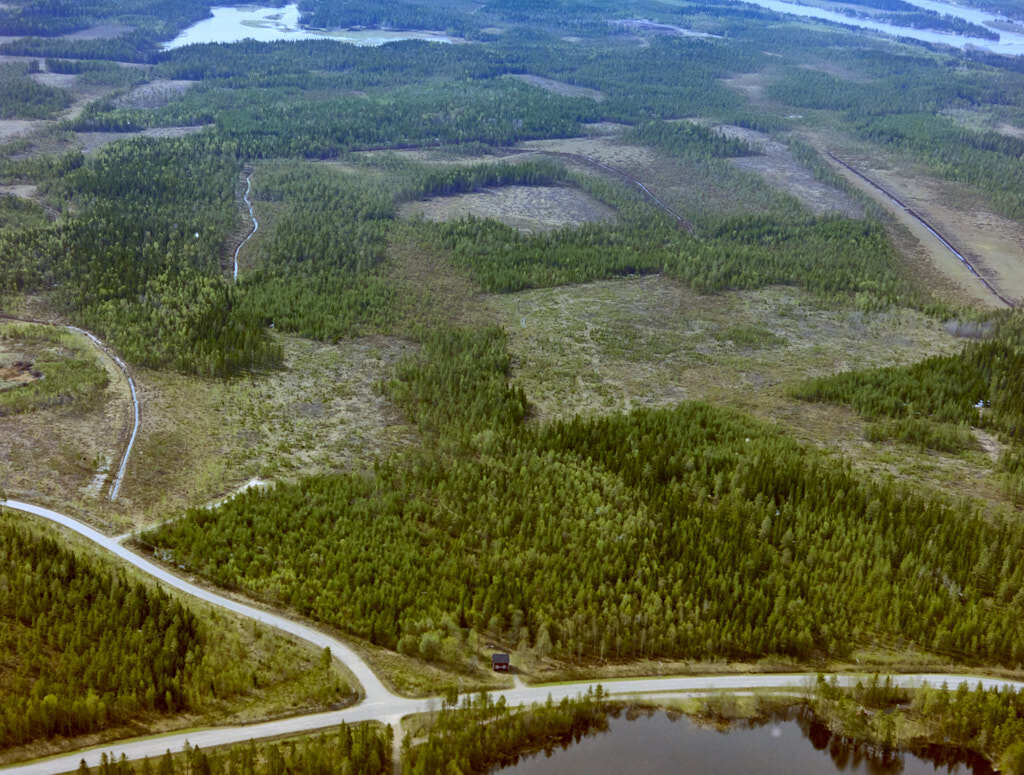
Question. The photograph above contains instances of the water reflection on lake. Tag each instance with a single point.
(233, 24)
(1009, 43)
(655, 744)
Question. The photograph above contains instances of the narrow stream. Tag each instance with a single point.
(255, 224)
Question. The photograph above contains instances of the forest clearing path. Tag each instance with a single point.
(891, 197)
(587, 161)
(380, 703)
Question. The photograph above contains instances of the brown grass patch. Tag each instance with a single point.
(527, 208)
(18, 373)
(650, 342)
(23, 190)
(59, 80)
(321, 413)
(750, 84)
(154, 94)
(780, 168)
(90, 142)
(11, 128)
(432, 291)
(560, 87)
(1010, 130)
(993, 244)
(694, 187)
(605, 149)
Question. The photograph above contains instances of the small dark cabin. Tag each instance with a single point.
(499, 663)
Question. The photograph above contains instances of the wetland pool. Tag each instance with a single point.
(231, 24)
(659, 744)
(1010, 43)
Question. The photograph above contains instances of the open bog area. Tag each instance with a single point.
(527, 208)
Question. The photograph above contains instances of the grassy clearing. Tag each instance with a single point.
(698, 188)
(416, 678)
(897, 658)
(648, 341)
(433, 292)
(779, 167)
(527, 208)
(200, 438)
(42, 367)
(285, 675)
(59, 435)
(560, 87)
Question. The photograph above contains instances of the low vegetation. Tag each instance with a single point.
(55, 368)
(363, 748)
(480, 734)
(779, 534)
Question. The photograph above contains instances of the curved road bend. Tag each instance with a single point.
(380, 704)
(375, 690)
(115, 487)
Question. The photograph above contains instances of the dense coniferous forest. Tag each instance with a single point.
(21, 97)
(583, 538)
(86, 648)
(92, 648)
(687, 139)
(692, 532)
(140, 266)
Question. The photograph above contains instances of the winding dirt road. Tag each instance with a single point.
(379, 703)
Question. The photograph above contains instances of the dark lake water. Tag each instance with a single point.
(656, 744)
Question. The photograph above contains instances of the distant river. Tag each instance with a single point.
(657, 745)
(233, 24)
(1009, 43)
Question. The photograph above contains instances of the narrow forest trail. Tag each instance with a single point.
(380, 704)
